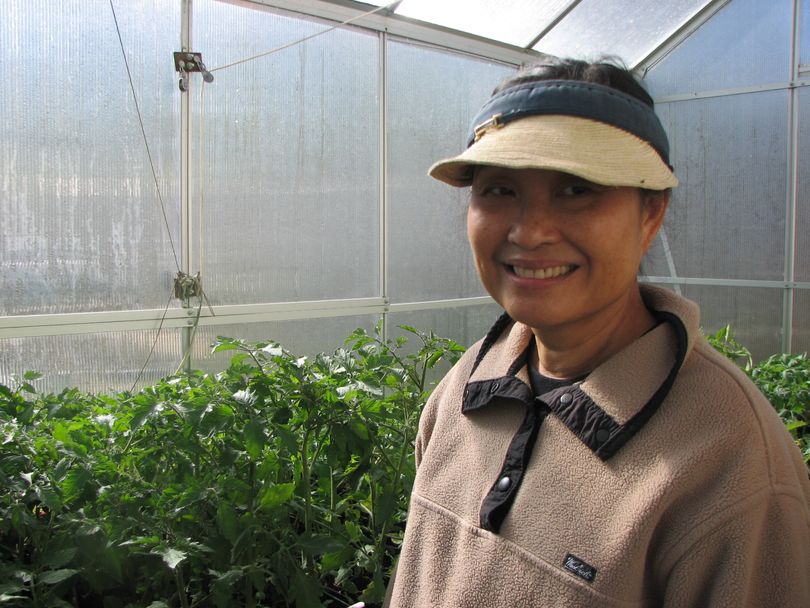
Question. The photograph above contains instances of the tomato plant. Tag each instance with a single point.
(280, 481)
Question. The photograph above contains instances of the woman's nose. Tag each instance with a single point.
(535, 224)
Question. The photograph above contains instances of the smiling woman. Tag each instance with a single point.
(560, 254)
(581, 453)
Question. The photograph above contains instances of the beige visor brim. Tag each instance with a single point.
(593, 150)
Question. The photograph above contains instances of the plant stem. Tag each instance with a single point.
(181, 587)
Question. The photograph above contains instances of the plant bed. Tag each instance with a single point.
(281, 481)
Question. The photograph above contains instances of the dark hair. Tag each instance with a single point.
(608, 71)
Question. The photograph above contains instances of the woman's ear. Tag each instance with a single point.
(653, 208)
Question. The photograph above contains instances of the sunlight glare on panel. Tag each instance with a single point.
(514, 22)
(611, 27)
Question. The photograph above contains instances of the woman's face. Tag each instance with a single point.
(555, 250)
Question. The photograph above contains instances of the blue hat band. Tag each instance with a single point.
(572, 98)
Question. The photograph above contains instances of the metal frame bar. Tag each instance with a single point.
(792, 177)
(554, 22)
(343, 10)
(777, 86)
(679, 35)
(94, 322)
(383, 162)
(726, 282)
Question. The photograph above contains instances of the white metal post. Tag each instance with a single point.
(185, 174)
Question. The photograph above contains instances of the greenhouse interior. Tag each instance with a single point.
(181, 173)
(294, 183)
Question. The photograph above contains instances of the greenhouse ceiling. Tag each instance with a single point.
(634, 30)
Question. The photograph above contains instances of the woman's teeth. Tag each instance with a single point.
(542, 273)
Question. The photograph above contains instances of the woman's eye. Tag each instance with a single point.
(576, 190)
(499, 191)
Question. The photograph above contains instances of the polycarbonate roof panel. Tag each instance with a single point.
(629, 29)
(615, 27)
(515, 22)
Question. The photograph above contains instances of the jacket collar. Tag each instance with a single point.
(616, 399)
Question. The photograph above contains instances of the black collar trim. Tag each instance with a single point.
(603, 435)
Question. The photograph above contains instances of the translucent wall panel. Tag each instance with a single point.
(801, 321)
(746, 43)
(306, 337)
(630, 31)
(727, 218)
(103, 362)
(81, 226)
(289, 179)
(464, 324)
(802, 261)
(754, 314)
(804, 31)
(432, 97)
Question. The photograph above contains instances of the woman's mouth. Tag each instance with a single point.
(543, 273)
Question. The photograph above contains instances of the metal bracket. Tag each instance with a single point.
(186, 62)
(187, 286)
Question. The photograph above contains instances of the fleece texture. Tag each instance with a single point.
(705, 506)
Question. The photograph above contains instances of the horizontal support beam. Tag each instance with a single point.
(22, 326)
(726, 282)
(125, 320)
(777, 86)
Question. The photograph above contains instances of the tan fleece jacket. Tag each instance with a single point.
(693, 497)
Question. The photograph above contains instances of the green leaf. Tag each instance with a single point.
(51, 577)
(306, 591)
(227, 521)
(75, 483)
(276, 495)
(57, 559)
(318, 544)
(254, 438)
(172, 557)
(143, 412)
(11, 588)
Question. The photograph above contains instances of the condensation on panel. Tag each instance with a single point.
(746, 43)
(289, 178)
(81, 226)
(101, 362)
(432, 97)
(617, 28)
(801, 262)
(755, 314)
(306, 337)
(727, 217)
(801, 321)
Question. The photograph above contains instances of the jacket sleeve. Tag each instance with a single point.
(756, 557)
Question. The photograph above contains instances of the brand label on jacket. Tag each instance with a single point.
(584, 571)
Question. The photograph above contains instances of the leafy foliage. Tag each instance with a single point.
(784, 379)
(281, 481)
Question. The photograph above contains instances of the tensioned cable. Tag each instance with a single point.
(157, 188)
(389, 6)
(154, 343)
